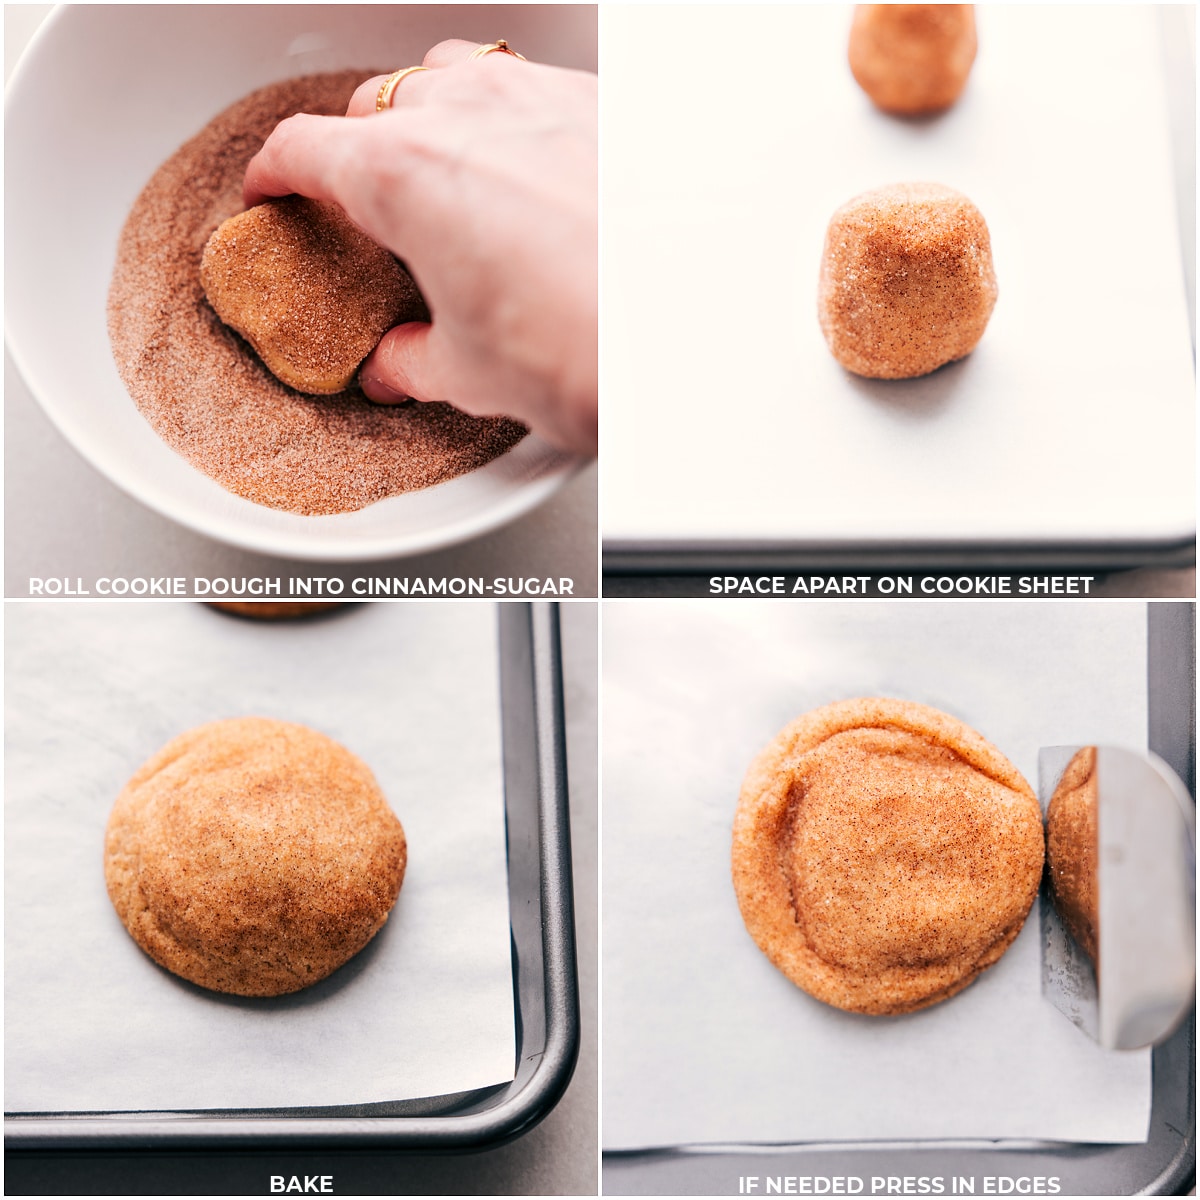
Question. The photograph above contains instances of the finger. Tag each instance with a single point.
(454, 52)
(366, 96)
(445, 54)
(404, 365)
(302, 155)
(448, 53)
(362, 103)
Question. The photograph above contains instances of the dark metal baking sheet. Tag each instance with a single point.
(1163, 1165)
(541, 917)
(682, 569)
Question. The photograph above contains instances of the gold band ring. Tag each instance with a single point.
(390, 84)
(500, 47)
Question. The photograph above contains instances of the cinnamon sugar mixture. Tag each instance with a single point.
(201, 386)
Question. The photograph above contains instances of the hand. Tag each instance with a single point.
(482, 179)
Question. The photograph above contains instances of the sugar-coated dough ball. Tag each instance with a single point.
(253, 856)
(307, 289)
(912, 58)
(907, 283)
(884, 854)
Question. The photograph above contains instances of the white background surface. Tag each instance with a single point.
(704, 1040)
(91, 1022)
(735, 135)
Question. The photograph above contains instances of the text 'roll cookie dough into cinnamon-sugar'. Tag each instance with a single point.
(253, 856)
(884, 854)
(907, 282)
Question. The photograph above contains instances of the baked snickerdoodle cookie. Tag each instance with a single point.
(307, 289)
(253, 856)
(884, 854)
(1072, 848)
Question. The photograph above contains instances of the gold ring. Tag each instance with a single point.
(500, 47)
(390, 84)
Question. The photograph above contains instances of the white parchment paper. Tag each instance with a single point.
(91, 1022)
(704, 1040)
(736, 132)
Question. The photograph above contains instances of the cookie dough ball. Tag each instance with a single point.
(912, 58)
(253, 856)
(275, 610)
(884, 854)
(907, 283)
(1072, 847)
(307, 289)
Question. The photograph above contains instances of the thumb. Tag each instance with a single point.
(401, 366)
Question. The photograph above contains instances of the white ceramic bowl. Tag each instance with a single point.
(103, 95)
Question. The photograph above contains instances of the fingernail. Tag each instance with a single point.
(380, 392)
